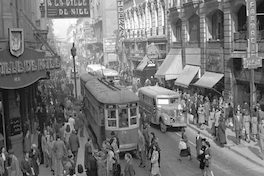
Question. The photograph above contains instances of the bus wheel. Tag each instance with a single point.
(163, 127)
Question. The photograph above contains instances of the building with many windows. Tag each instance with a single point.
(210, 37)
(146, 31)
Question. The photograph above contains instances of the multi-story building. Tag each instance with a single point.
(23, 34)
(211, 36)
(146, 31)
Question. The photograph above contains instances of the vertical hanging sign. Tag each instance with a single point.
(121, 20)
(252, 61)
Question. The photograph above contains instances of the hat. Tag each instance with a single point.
(11, 151)
(113, 133)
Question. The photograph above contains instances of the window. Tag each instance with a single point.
(162, 101)
(111, 119)
(194, 28)
(177, 30)
(123, 118)
(218, 25)
(133, 115)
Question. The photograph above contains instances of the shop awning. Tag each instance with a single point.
(209, 79)
(143, 64)
(187, 75)
(171, 67)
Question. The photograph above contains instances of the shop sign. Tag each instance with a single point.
(26, 69)
(252, 61)
(121, 20)
(215, 61)
(153, 52)
(68, 8)
(109, 44)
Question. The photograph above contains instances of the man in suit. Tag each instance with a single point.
(87, 152)
(238, 125)
(26, 165)
(60, 151)
(198, 143)
(44, 147)
(74, 145)
(14, 168)
(142, 149)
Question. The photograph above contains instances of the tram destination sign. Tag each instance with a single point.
(68, 8)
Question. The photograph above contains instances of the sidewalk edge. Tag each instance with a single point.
(230, 148)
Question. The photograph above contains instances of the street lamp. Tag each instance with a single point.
(73, 53)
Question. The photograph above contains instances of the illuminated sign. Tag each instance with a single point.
(68, 8)
(121, 20)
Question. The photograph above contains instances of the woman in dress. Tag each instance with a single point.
(51, 153)
(129, 169)
(155, 161)
(207, 159)
(35, 158)
(201, 116)
(185, 152)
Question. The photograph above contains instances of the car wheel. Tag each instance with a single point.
(163, 127)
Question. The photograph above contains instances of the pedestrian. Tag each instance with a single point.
(101, 163)
(44, 147)
(26, 166)
(142, 149)
(254, 122)
(207, 159)
(51, 154)
(27, 142)
(81, 118)
(246, 124)
(261, 137)
(87, 152)
(62, 132)
(4, 156)
(14, 168)
(198, 143)
(67, 133)
(201, 157)
(221, 131)
(154, 141)
(74, 145)
(92, 166)
(155, 161)
(216, 123)
(230, 112)
(35, 159)
(41, 157)
(109, 160)
(60, 152)
(201, 116)
(207, 108)
(2, 166)
(194, 112)
(115, 149)
(76, 122)
(212, 119)
(238, 124)
(185, 151)
(147, 139)
(114, 135)
(129, 168)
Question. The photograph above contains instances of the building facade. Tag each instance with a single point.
(213, 35)
(23, 61)
(146, 31)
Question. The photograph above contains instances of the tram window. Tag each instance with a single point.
(133, 116)
(123, 118)
(111, 118)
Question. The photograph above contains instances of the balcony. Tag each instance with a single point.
(215, 44)
(177, 44)
(193, 44)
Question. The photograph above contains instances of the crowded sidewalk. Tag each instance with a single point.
(250, 151)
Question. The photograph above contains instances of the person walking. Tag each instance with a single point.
(27, 142)
(254, 122)
(67, 133)
(44, 147)
(115, 149)
(185, 151)
(261, 137)
(246, 124)
(207, 160)
(14, 168)
(201, 156)
(26, 166)
(81, 117)
(35, 159)
(87, 152)
(60, 151)
(74, 145)
(41, 157)
(238, 125)
(142, 149)
(147, 139)
(109, 160)
(198, 142)
(129, 168)
(92, 166)
(51, 154)
(155, 161)
(2, 166)
(216, 123)
(201, 116)
(221, 131)
(4, 156)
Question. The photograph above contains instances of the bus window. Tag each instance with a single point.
(111, 118)
(133, 115)
(162, 101)
(123, 118)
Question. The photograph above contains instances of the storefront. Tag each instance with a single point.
(20, 69)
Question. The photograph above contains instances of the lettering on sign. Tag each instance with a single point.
(68, 8)
(121, 20)
(252, 18)
(15, 126)
(16, 67)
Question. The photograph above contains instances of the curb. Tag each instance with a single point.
(229, 147)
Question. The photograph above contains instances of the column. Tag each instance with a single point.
(203, 37)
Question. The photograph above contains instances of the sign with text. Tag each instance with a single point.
(121, 20)
(252, 61)
(109, 44)
(68, 8)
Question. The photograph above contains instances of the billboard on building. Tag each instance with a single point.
(121, 20)
(68, 8)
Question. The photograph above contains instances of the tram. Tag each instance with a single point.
(109, 108)
(84, 78)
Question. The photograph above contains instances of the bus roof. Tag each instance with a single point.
(87, 77)
(105, 94)
(108, 72)
(154, 91)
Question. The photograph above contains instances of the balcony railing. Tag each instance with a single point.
(193, 44)
(215, 44)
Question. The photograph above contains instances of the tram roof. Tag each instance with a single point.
(157, 90)
(106, 95)
(87, 77)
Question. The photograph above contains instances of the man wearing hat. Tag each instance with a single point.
(113, 135)
(14, 168)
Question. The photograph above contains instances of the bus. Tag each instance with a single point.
(109, 108)
(162, 107)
